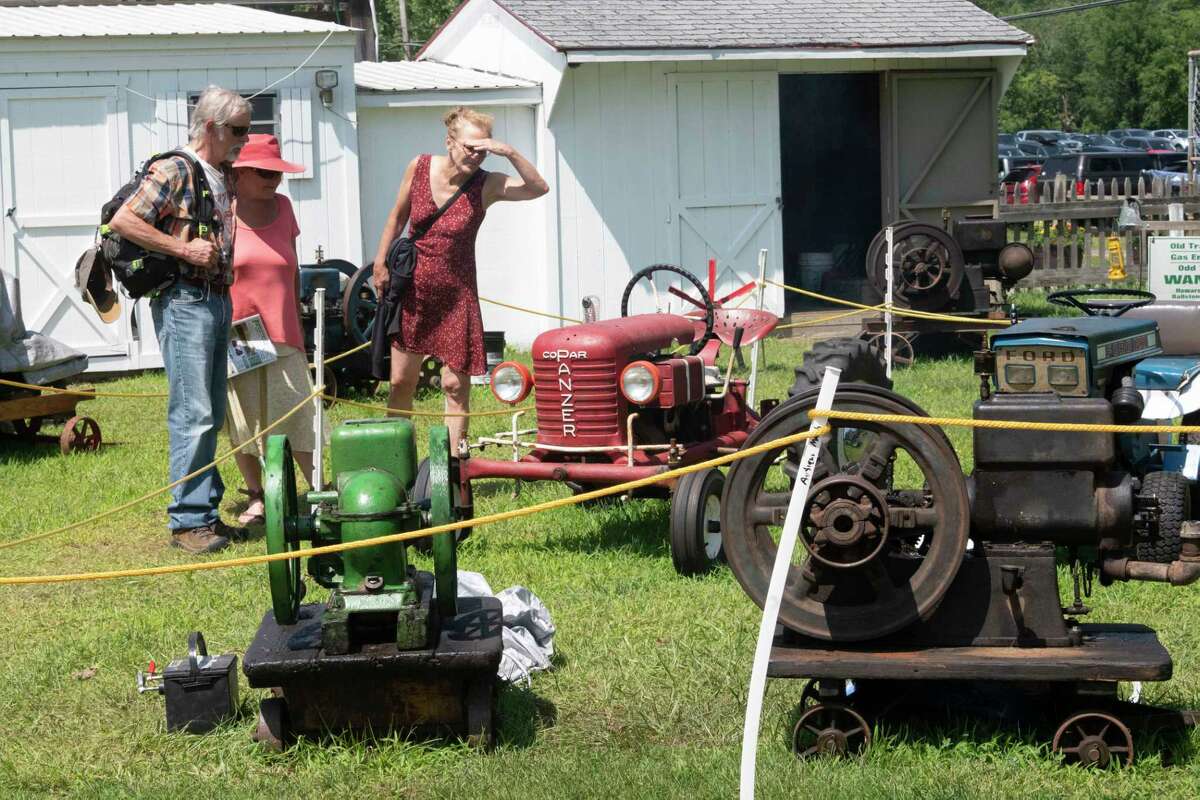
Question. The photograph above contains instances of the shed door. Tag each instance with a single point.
(942, 143)
(60, 160)
(724, 201)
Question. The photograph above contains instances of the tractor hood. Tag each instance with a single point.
(616, 339)
(1109, 340)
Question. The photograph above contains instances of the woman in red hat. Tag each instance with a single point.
(266, 282)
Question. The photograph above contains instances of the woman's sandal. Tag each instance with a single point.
(248, 518)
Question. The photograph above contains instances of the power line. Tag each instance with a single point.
(1049, 12)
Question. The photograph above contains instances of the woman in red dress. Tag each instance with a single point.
(440, 312)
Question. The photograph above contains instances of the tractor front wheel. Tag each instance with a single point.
(696, 522)
(860, 362)
(1173, 493)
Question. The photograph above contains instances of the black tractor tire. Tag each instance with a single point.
(695, 505)
(859, 361)
(1173, 491)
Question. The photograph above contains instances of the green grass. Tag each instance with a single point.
(646, 699)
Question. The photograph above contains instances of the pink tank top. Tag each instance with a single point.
(265, 270)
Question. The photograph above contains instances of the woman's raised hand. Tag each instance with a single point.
(488, 146)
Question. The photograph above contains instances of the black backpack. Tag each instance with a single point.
(141, 271)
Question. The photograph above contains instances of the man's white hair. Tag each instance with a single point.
(218, 106)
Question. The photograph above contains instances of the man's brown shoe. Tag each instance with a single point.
(198, 540)
(231, 532)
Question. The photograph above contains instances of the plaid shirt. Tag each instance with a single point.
(166, 200)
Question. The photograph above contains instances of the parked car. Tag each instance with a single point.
(1147, 143)
(1099, 140)
(1092, 167)
(1169, 160)
(1020, 184)
(1032, 148)
(1177, 136)
(1173, 176)
(1125, 133)
(1008, 163)
(1041, 137)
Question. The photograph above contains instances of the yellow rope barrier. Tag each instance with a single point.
(409, 413)
(110, 512)
(408, 535)
(531, 311)
(1004, 424)
(830, 318)
(343, 354)
(903, 312)
(79, 392)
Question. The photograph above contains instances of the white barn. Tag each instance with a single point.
(88, 92)
(683, 130)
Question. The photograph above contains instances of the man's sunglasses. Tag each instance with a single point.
(238, 130)
(269, 174)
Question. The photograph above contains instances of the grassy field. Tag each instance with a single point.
(646, 699)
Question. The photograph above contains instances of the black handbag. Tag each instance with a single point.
(401, 261)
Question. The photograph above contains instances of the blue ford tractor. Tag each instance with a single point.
(1128, 359)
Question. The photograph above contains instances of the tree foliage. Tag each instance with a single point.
(1114, 66)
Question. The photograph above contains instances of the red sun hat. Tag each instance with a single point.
(262, 152)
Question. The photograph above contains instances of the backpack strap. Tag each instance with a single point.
(205, 216)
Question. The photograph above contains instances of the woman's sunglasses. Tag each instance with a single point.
(268, 174)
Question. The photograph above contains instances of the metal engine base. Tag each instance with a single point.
(444, 690)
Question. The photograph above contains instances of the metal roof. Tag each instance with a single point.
(411, 76)
(744, 24)
(150, 20)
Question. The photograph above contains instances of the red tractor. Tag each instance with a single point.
(628, 398)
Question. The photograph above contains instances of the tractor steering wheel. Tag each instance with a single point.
(1102, 308)
(705, 303)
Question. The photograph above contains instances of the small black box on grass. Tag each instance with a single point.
(201, 690)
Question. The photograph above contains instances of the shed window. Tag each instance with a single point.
(264, 112)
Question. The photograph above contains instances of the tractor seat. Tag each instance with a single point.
(755, 325)
(1178, 325)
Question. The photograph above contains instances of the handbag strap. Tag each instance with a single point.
(417, 234)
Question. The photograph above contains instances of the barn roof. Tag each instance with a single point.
(62, 21)
(760, 24)
(409, 76)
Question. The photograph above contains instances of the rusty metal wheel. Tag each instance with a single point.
(80, 433)
(830, 730)
(1094, 739)
(927, 266)
(902, 346)
(917, 487)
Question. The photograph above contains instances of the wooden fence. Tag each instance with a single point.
(1068, 229)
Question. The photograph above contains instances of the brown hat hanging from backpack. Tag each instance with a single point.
(94, 281)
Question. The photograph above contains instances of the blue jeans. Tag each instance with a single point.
(193, 335)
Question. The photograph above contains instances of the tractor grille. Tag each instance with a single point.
(594, 401)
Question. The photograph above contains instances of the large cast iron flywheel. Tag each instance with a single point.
(884, 530)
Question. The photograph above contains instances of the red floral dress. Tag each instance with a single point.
(440, 312)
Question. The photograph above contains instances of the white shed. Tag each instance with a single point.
(683, 130)
(88, 92)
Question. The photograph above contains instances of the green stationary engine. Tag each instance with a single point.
(376, 595)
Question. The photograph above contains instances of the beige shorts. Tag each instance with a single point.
(259, 397)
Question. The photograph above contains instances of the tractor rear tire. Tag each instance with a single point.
(696, 522)
(859, 361)
(1173, 492)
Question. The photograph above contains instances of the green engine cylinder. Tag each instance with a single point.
(373, 588)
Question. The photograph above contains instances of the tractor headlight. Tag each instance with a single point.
(640, 382)
(511, 382)
(1065, 376)
(1020, 374)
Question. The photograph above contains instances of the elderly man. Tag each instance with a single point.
(193, 315)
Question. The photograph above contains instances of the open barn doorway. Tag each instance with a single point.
(832, 184)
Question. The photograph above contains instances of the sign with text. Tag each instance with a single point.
(1175, 267)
